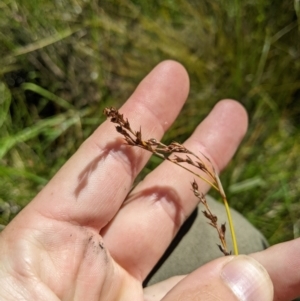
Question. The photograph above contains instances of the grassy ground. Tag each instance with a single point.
(62, 62)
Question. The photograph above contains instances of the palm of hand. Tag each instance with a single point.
(63, 261)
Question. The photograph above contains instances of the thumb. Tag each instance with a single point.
(239, 278)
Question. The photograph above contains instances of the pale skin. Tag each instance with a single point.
(78, 240)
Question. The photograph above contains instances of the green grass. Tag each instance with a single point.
(62, 62)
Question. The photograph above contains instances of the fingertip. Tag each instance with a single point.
(175, 69)
(162, 93)
(174, 78)
(231, 106)
(247, 279)
(222, 131)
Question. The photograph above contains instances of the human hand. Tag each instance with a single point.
(78, 240)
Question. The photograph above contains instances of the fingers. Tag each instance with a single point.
(158, 206)
(282, 262)
(92, 185)
(228, 278)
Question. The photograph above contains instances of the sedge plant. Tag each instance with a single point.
(178, 154)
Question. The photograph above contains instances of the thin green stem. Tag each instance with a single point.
(235, 247)
(231, 227)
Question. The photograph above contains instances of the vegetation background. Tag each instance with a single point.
(63, 61)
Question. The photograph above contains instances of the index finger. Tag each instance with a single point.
(91, 186)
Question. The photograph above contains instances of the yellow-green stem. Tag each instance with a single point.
(235, 247)
(222, 192)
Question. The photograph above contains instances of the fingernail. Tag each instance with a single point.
(247, 279)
